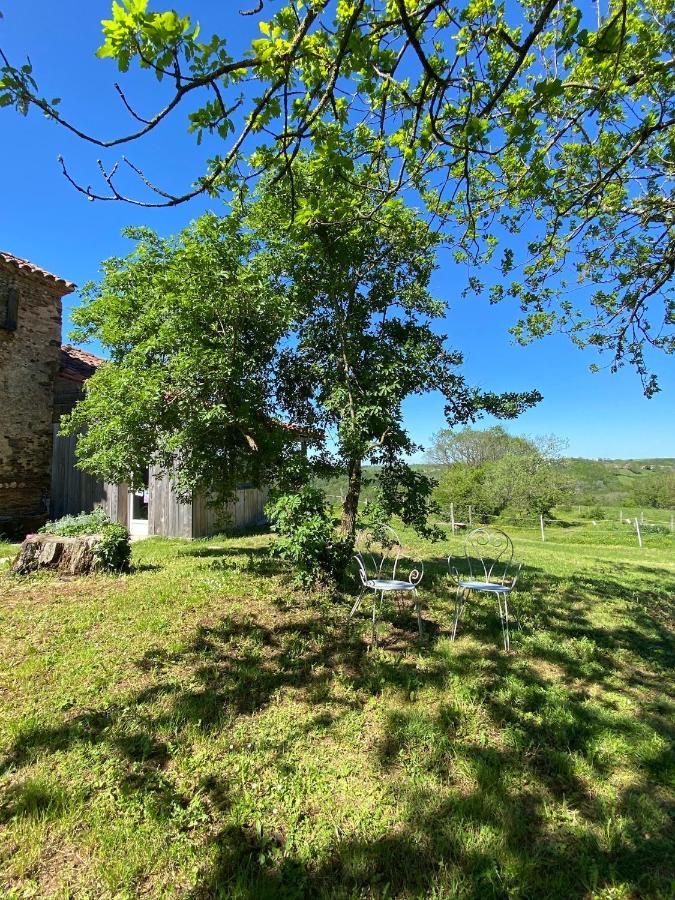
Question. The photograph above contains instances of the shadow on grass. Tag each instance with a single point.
(497, 783)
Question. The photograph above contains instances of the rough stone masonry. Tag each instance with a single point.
(30, 343)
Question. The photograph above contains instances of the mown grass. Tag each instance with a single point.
(200, 729)
(8, 549)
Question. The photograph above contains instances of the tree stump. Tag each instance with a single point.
(67, 555)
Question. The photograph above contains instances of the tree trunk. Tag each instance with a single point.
(350, 506)
(67, 555)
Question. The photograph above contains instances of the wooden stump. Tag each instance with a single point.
(68, 555)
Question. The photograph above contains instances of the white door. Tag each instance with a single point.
(138, 510)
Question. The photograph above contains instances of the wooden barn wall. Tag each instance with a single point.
(116, 503)
(166, 515)
(247, 509)
(73, 491)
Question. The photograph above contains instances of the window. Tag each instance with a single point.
(9, 306)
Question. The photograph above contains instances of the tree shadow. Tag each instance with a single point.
(496, 787)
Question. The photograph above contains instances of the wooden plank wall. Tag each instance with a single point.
(73, 491)
(116, 502)
(166, 515)
(247, 509)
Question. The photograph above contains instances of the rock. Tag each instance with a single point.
(67, 555)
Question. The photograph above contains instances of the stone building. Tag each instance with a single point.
(30, 357)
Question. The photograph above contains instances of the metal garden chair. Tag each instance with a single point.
(488, 555)
(377, 560)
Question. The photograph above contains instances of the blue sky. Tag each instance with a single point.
(44, 219)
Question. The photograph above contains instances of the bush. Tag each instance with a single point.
(306, 536)
(73, 526)
(593, 512)
(113, 552)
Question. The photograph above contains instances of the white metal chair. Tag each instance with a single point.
(377, 562)
(488, 555)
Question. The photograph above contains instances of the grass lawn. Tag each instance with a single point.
(201, 729)
(7, 549)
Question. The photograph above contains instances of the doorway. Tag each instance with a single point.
(138, 509)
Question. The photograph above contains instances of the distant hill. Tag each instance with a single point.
(608, 482)
(611, 481)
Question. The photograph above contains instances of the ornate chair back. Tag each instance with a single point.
(489, 555)
(377, 553)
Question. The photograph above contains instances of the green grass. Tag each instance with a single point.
(200, 729)
(8, 549)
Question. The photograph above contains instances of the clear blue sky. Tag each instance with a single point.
(44, 219)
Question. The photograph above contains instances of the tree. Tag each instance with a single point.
(532, 116)
(363, 336)
(243, 334)
(475, 447)
(494, 472)
(192, 326)
(656, 491)
(526, 484)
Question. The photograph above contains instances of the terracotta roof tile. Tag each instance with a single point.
(77, 364)
(27, 266)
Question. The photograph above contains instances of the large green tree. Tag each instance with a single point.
(554, 119)
(192, 327)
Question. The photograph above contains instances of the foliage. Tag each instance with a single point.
(242, 339)
(84, 523)
(656, 490)
(463, 486)
(113, 552)
(474, 447)
(532, 117)
(363, 331)
(191, 325)
(306, 535)
(594, 512)
(513, 484)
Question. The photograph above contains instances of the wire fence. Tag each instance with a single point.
(637, 524)
(590, 524)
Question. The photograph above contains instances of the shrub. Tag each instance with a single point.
(84, 523)
(593, 512)
(114, 550)
(306, 536)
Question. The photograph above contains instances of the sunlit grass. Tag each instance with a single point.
(199, 729)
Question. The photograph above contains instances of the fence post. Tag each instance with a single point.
(541, 525)
(637, 529)
(470, 517)
(452, 516)
(642, 516)
(620, 517)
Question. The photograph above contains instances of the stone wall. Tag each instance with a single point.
(29, 359)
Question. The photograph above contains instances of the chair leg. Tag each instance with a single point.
(459, 606)
(514, 613)
(505, 622)
(356, 606)
(418, 610)
(374, 637)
